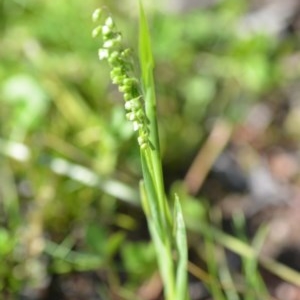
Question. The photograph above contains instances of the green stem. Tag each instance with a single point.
(147, 65)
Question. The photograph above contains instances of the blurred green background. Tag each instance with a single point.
(69, 163)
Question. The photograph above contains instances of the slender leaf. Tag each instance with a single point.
(182, 252)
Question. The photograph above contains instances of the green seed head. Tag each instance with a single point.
(120, 60)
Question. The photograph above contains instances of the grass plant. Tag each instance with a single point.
(167, 229)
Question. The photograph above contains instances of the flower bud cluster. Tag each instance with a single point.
(120, 62)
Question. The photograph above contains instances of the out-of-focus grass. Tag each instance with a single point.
(61, 138)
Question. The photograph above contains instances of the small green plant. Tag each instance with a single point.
(167, 230)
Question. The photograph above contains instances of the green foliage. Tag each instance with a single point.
(139, 261)
(28, 103)
(69, 166)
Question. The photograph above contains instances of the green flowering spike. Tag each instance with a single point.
(120, 60)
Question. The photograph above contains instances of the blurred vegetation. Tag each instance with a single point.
(69, 164)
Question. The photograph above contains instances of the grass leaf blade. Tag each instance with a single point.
(182, 251)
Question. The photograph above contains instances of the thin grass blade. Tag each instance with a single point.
(182, 251)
